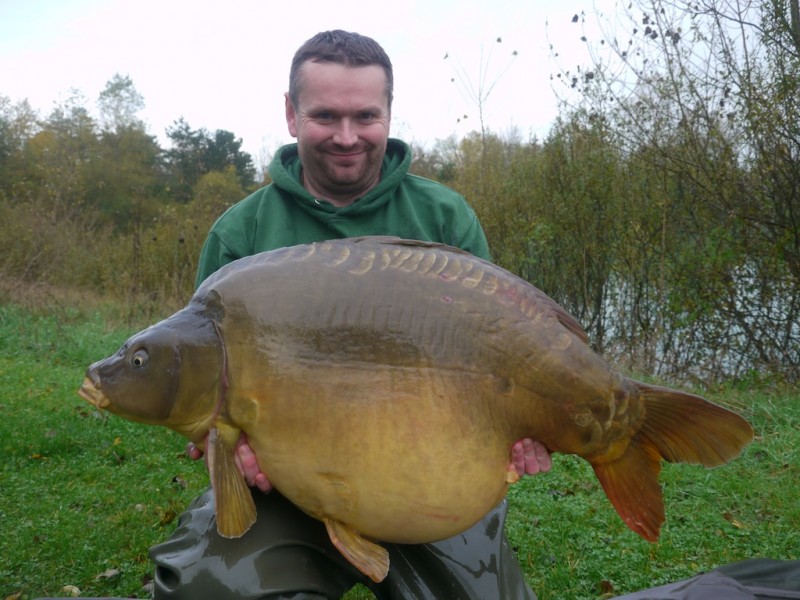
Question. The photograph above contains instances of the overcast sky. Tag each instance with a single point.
(225, 64)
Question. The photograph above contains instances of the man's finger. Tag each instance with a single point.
(518, 458)
(537, 457)
(193, 451)
(247, 462)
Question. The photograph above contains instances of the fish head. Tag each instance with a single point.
(168, 374)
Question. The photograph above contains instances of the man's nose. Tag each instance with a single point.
(346, 134)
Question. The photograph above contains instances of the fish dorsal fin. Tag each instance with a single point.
(368, 557)
(538, 296)
(545, 304)
(568, 321)
(396, 241)
(235, 509)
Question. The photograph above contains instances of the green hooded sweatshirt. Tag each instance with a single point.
(284, 213)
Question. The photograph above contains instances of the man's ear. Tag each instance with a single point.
(291, 116)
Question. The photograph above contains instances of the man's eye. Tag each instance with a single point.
(324, 116)
(366, 116)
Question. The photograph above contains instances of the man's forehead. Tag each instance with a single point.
(320, 65)
(324, 81)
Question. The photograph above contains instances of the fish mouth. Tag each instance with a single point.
(91, 393)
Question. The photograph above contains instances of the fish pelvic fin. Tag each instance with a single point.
(679, 428)
(368, 557)
(235, 509)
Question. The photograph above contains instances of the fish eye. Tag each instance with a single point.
(139, 358)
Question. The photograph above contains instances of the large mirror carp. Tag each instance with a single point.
(381, 383)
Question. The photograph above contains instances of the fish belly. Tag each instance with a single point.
(396, 456)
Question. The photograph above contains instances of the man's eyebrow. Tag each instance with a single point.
(322, 107)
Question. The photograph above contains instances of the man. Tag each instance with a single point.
(345, 177)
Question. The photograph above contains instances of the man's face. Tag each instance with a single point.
(341, 124)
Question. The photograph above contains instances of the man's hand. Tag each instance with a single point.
(529, 457)
(245, 459)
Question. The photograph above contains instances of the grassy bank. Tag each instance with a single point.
(86, 494)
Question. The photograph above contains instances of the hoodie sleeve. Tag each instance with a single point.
(474, 240)
(214, 254)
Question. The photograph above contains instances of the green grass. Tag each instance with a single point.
(572, 544)
(83, 495)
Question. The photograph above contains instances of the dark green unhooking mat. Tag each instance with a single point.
(754, 579)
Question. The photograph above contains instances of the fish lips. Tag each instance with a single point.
(91, 392)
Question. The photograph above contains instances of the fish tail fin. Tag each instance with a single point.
(631, 484)
(679, 428)
(689, 429)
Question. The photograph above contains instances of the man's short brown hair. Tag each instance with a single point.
(344, 48)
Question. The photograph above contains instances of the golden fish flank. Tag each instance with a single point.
(340, 357)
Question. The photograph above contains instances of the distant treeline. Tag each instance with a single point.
(662, 209)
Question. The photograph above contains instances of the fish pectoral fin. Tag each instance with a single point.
(235, 509)
(368, 557)
(631, 484)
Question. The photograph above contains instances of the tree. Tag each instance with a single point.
(477, 92)
(126, 183)
(118, 103)
(18, 123)
(44, 208)
(708, 92)
(57, 159)
(224, 150)
(196, 152)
